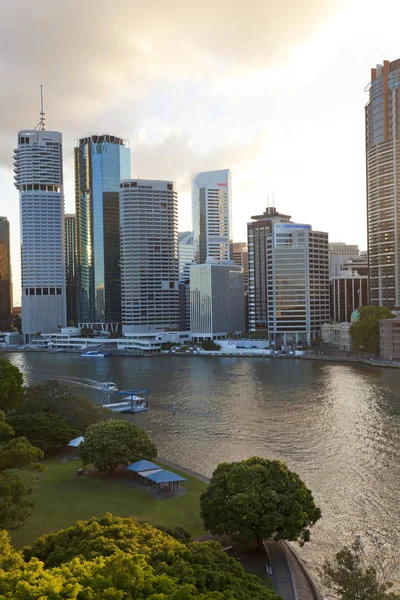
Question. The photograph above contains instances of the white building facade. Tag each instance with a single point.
(212, 215)
(216, 300)
(39, 179)
(149, 256)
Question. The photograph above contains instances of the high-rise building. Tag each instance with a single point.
(211, 215)
(186, 259)
(288, 278)
(382, 118)
(240, 256)
(349, 291)
(149, 255)
(5, 273)
(101, 162)
(339, 252)
(258, 233)
(216, 300)
(70, 268)
(39, 179)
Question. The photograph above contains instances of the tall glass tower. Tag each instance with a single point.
(70, 268)
(382, 122)
(5, 273)
(101, 161)
(39, 179)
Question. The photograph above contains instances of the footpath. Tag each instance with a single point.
(289, 576)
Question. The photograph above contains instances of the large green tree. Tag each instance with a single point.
(113, 443)
(365, 331)
(43, 430)
(258, 499)
(350, 579)
(54, 398)
(116, 558)
(15, 453)
(11, 380)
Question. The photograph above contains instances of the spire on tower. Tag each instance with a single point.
(42, 123)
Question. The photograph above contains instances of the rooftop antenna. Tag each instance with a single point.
(273, 199)
(267, 200)
(42, 123)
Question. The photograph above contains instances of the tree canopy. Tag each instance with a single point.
(116, 558)
(11, 380)
(365, 332)
(15, 453)
(348, 576)
(258, 499)
(43, 430)
(55, 398)
(113, 443)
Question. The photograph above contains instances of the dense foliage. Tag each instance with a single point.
(352, 580)
(119, 559)
(11, 381)
(258, 499)
(113, 443)
(53, 397)
(15, 453)
(210, 345)
(365, 332)
(43, 430)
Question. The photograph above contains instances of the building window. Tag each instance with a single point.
(58, 291)
(38, 291)
(45, 291)
(52, 291)
(31, 291)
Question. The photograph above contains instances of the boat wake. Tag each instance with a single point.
(84, 382)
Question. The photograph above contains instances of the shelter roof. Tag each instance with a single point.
(163, 476)
(76, 441)
(142, 465)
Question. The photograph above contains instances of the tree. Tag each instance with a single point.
(54, 398)
(15, 453)
(113, 558)
(113, 443)
(87, 332)
(11, 380)
(258, 499)
(349, 577)
(210, 345)
(43, 430)
(365, 331)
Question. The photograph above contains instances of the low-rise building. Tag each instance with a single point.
(389, 336)
(10, 338)
(336, 336)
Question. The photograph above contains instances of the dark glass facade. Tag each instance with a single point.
(5, 274)
(100, 164)
(70, 269)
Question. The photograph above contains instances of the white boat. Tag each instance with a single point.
(94, 354)
(130, 404)
(108, 386)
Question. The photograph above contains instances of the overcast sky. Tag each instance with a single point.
(272, 90)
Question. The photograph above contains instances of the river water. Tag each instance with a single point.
(337, 425)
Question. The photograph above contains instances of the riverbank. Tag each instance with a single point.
(341, 358)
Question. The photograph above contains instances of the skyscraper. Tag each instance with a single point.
(339, 252)
(211, 215)
(5, 273)
(101, 161)
(186, 259)
(70, 268)
(39, 179)
(240, 256)
(288, 278)
(149, 255)
(382, 118)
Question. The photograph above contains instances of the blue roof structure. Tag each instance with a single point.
(164, 476)
(142, 465)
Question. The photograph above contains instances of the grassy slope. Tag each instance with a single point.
(60, 499)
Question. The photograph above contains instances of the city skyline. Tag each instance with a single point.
(217, 105)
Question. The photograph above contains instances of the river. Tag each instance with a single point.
(337, 425)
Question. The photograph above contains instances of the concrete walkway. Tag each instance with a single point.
(281, 574)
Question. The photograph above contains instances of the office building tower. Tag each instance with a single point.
(70, 268)
(211, 215)
(288, 279)
(216, 300)
(339, 252)
(349, 291)
(149, 255)
(39, 179)
(101, 162)
(186, 259)
(5, 274)
(258, 233)
(382, 117)
(240, 256)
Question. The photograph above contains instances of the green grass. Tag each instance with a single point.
(60, 498)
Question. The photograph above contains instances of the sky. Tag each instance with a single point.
(273, 91)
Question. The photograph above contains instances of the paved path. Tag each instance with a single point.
(280, 571)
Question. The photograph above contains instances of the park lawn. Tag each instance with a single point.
(60, 498)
